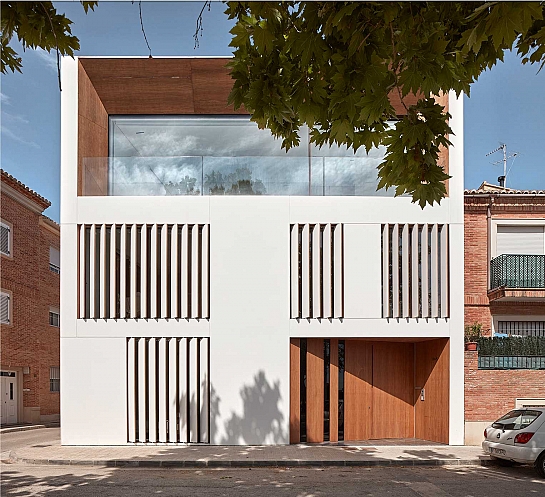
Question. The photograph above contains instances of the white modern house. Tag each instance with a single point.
(218, 290)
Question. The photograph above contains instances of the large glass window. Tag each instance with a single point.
(192, 155)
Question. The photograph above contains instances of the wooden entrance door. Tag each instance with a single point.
(379, 390)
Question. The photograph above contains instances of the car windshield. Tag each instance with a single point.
(517, 419)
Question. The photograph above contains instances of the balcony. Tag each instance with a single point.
(208, 175)
(517, 277)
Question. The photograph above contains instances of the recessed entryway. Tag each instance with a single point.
(8, 394)
(360, 390)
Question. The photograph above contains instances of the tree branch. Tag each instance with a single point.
(199, 28)
(56, 45)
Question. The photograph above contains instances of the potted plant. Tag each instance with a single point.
(472, 333)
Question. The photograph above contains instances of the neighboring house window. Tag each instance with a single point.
(55, 379)
(521, 328)
(5, 308)
(54, 260)
(54, 318)
(520, 239)
(5, 239)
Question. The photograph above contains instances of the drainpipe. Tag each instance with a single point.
(489, 239)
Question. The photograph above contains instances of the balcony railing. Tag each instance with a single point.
(207, 175)
(517, 271)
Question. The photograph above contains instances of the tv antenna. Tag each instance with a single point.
(506, 157)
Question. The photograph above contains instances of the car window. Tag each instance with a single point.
(517, 419)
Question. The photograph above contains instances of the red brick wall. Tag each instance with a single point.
(489, 394)
(29, 340)
(477, 306)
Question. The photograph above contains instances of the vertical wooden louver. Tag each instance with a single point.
(168, 390)
(415, 271)
(316, 252)
(149, 271)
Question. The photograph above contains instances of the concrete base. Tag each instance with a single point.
(474, 431)
(31, 415)
(50, 418)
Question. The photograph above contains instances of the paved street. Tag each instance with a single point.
(82, 481)
(18, 480)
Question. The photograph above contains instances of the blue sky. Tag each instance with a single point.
(507, 104)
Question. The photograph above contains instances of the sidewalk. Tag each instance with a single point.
(26, 427)
(206, 456)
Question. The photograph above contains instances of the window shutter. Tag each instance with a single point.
(54, 256)
(4, 239)
(520, 240)
(4, 308)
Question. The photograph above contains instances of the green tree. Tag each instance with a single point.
(36, 25)
(332, 66)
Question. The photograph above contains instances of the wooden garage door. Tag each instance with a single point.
(393, 390)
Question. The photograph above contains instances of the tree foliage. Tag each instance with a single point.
(332, 66)
(36, 25)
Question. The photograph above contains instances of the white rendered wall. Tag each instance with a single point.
(249, 325)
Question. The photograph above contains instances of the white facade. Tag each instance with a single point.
(249, 325)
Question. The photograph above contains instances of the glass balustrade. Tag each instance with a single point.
(244, 175)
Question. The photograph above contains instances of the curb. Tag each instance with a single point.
(22, 428)
(28, 428)
(272, 463)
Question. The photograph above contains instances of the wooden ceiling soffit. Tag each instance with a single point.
(161, 86)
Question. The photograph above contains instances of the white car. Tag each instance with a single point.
(519, 436)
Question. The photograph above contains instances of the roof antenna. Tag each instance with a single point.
(502, 180)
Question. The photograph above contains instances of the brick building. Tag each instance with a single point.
(29, 306)
(505, 292)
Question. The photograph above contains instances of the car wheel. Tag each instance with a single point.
(502, 462)
(540, 464)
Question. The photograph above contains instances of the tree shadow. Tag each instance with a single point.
(261, 421)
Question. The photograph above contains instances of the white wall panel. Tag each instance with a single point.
(405, 282)
(94, 391)
(415, 284)
(195, 271)
(82, 276)
(205, 268)
(162, 394)
(174, 273)
(316, 272)
(338, 272)
(203, 409)
(182, 392)
(305, 274)
(142, 404)
(152, 390)
(434, 270)
(395, 271)
(172, 391)
(144, 272)
(294, 270)
(327, 277)
(92, 272)
(123, 272)
(131, 393)
(164, 272)
(385, 270)
(185, 271)
(153, 273)
(193, 395)
(113, 271)
(134, 269)
(444, 271)
(103, 280)
(425, 271)
(362, 271)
